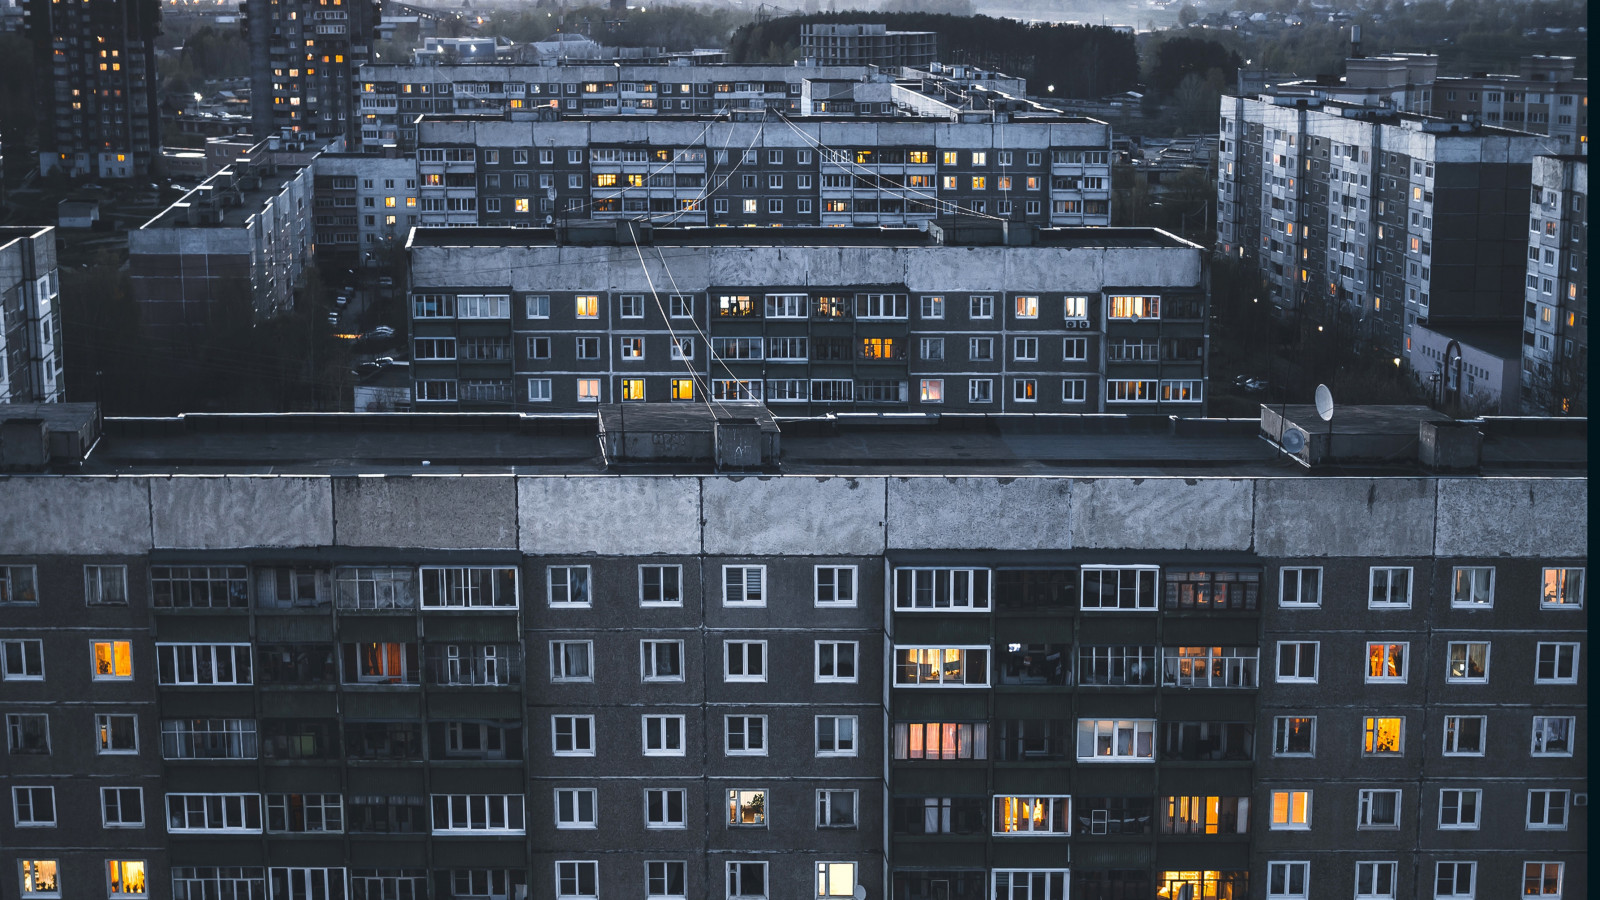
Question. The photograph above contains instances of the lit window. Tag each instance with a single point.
(587, 306)
(1563, 589)
(1032, 815)
(632, 389)
(836, 879)
(588, 390)
(39, 878)
(1382, 736)
(932, 390)
(1386, 662)
(125, 878)
(113, 661)
(1291, 810)
(1542, 879)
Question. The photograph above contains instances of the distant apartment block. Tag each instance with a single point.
(364, 205)
(1555, 337)
(30, 316)
(963, 318)
(1373, 220)
(485, 171)
(96, 89)
(303, 58)
(241, 239)
(867, 45)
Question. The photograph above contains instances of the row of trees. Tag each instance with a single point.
(1078, 60)
(672, 27)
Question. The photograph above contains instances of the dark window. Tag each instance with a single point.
(1031, 740)
(1114, 815)
(296, 664)
(383, 740)
(939, 815)
(1032, 663)
(386, 814)
(934, 885)
(299, 739)
(1207, 740)
(1036, 589)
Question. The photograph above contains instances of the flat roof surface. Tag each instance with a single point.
(176, 215)
(554, 444)
(786, 236)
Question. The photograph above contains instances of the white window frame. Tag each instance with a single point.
(15, 653)
(1561, 874)
(827, 799)
(741, 893)
(728, 651)
(1289, 822)
(747, 749)
(965, 649)
(513, 809)
(177, 648)
(1367, 730)
(569, 811)
(677, 571)
(836, 650)
(1299, 651)
(11, 575)
(1025, 349)
(746, 597)
(1463, 818)
(103, 732)
(658, 729)
(245, 811)
(1299, 591)
(1375, 879)
(1450, 651)
(324, 813)
(1385, 575)
(96, 578)
(558, 662)
(15, 732)
(1405, 662)
(1540, 737)
(562, 598)
(1563, 585)
(1138, 572)
(648, 659)
(1538, 814)
(1365, 798)
(1029, 884)
(665, 878)
(1031, 801)
(837, 744)
(843, 589)
(579, 729)
(1556, 650)
(666, 822)
(1455, 880)
(29, 868)
(1472, 575)
(1093, 732)
(574, 870)
(117, 877)
(33, 820)
(94, 660)
(1483, 736)
(964, 589)
(836, 879)
(1280, 737)
(1284, 873)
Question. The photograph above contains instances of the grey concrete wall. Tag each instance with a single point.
(216, 513)
(761, 515)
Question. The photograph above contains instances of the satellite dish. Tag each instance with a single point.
(1324, 403)
(860, 893)
(1294, 440)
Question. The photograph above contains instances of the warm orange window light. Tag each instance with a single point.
(113, 659)
(1382, 735)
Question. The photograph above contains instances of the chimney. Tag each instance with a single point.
(1355, 42)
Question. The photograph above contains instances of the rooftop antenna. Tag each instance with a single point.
(1325, 411)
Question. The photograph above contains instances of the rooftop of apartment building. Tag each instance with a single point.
(230, 197)
(1299, 94)
(975, 233)
(734, 437)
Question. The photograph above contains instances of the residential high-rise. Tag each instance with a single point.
(834, 44)
(1555, 339)
(303, 59)
(503, 657)
(971, 316)
(95, 61)
(1371, 220)
(30, 316)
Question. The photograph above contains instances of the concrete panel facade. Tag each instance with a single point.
(1536, 517)
(240, 511)
(609, 516)
(978, 513)
(1344, 517)
(782, 515)
(75, 515)
(453, 513)
(1162, 513)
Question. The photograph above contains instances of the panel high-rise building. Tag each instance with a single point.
(96, 94)
(303, 59)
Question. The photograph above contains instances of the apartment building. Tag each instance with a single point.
(522, 171)
(304, 56)
(1555, 339)
(30, 316)
(970, 686)
(234, 247)
(96, 93)
(364, 205)
(1372, 220)
(867, 44)
(392, 96)
(982, 317)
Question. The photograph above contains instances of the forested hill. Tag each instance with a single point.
(1080, 60)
